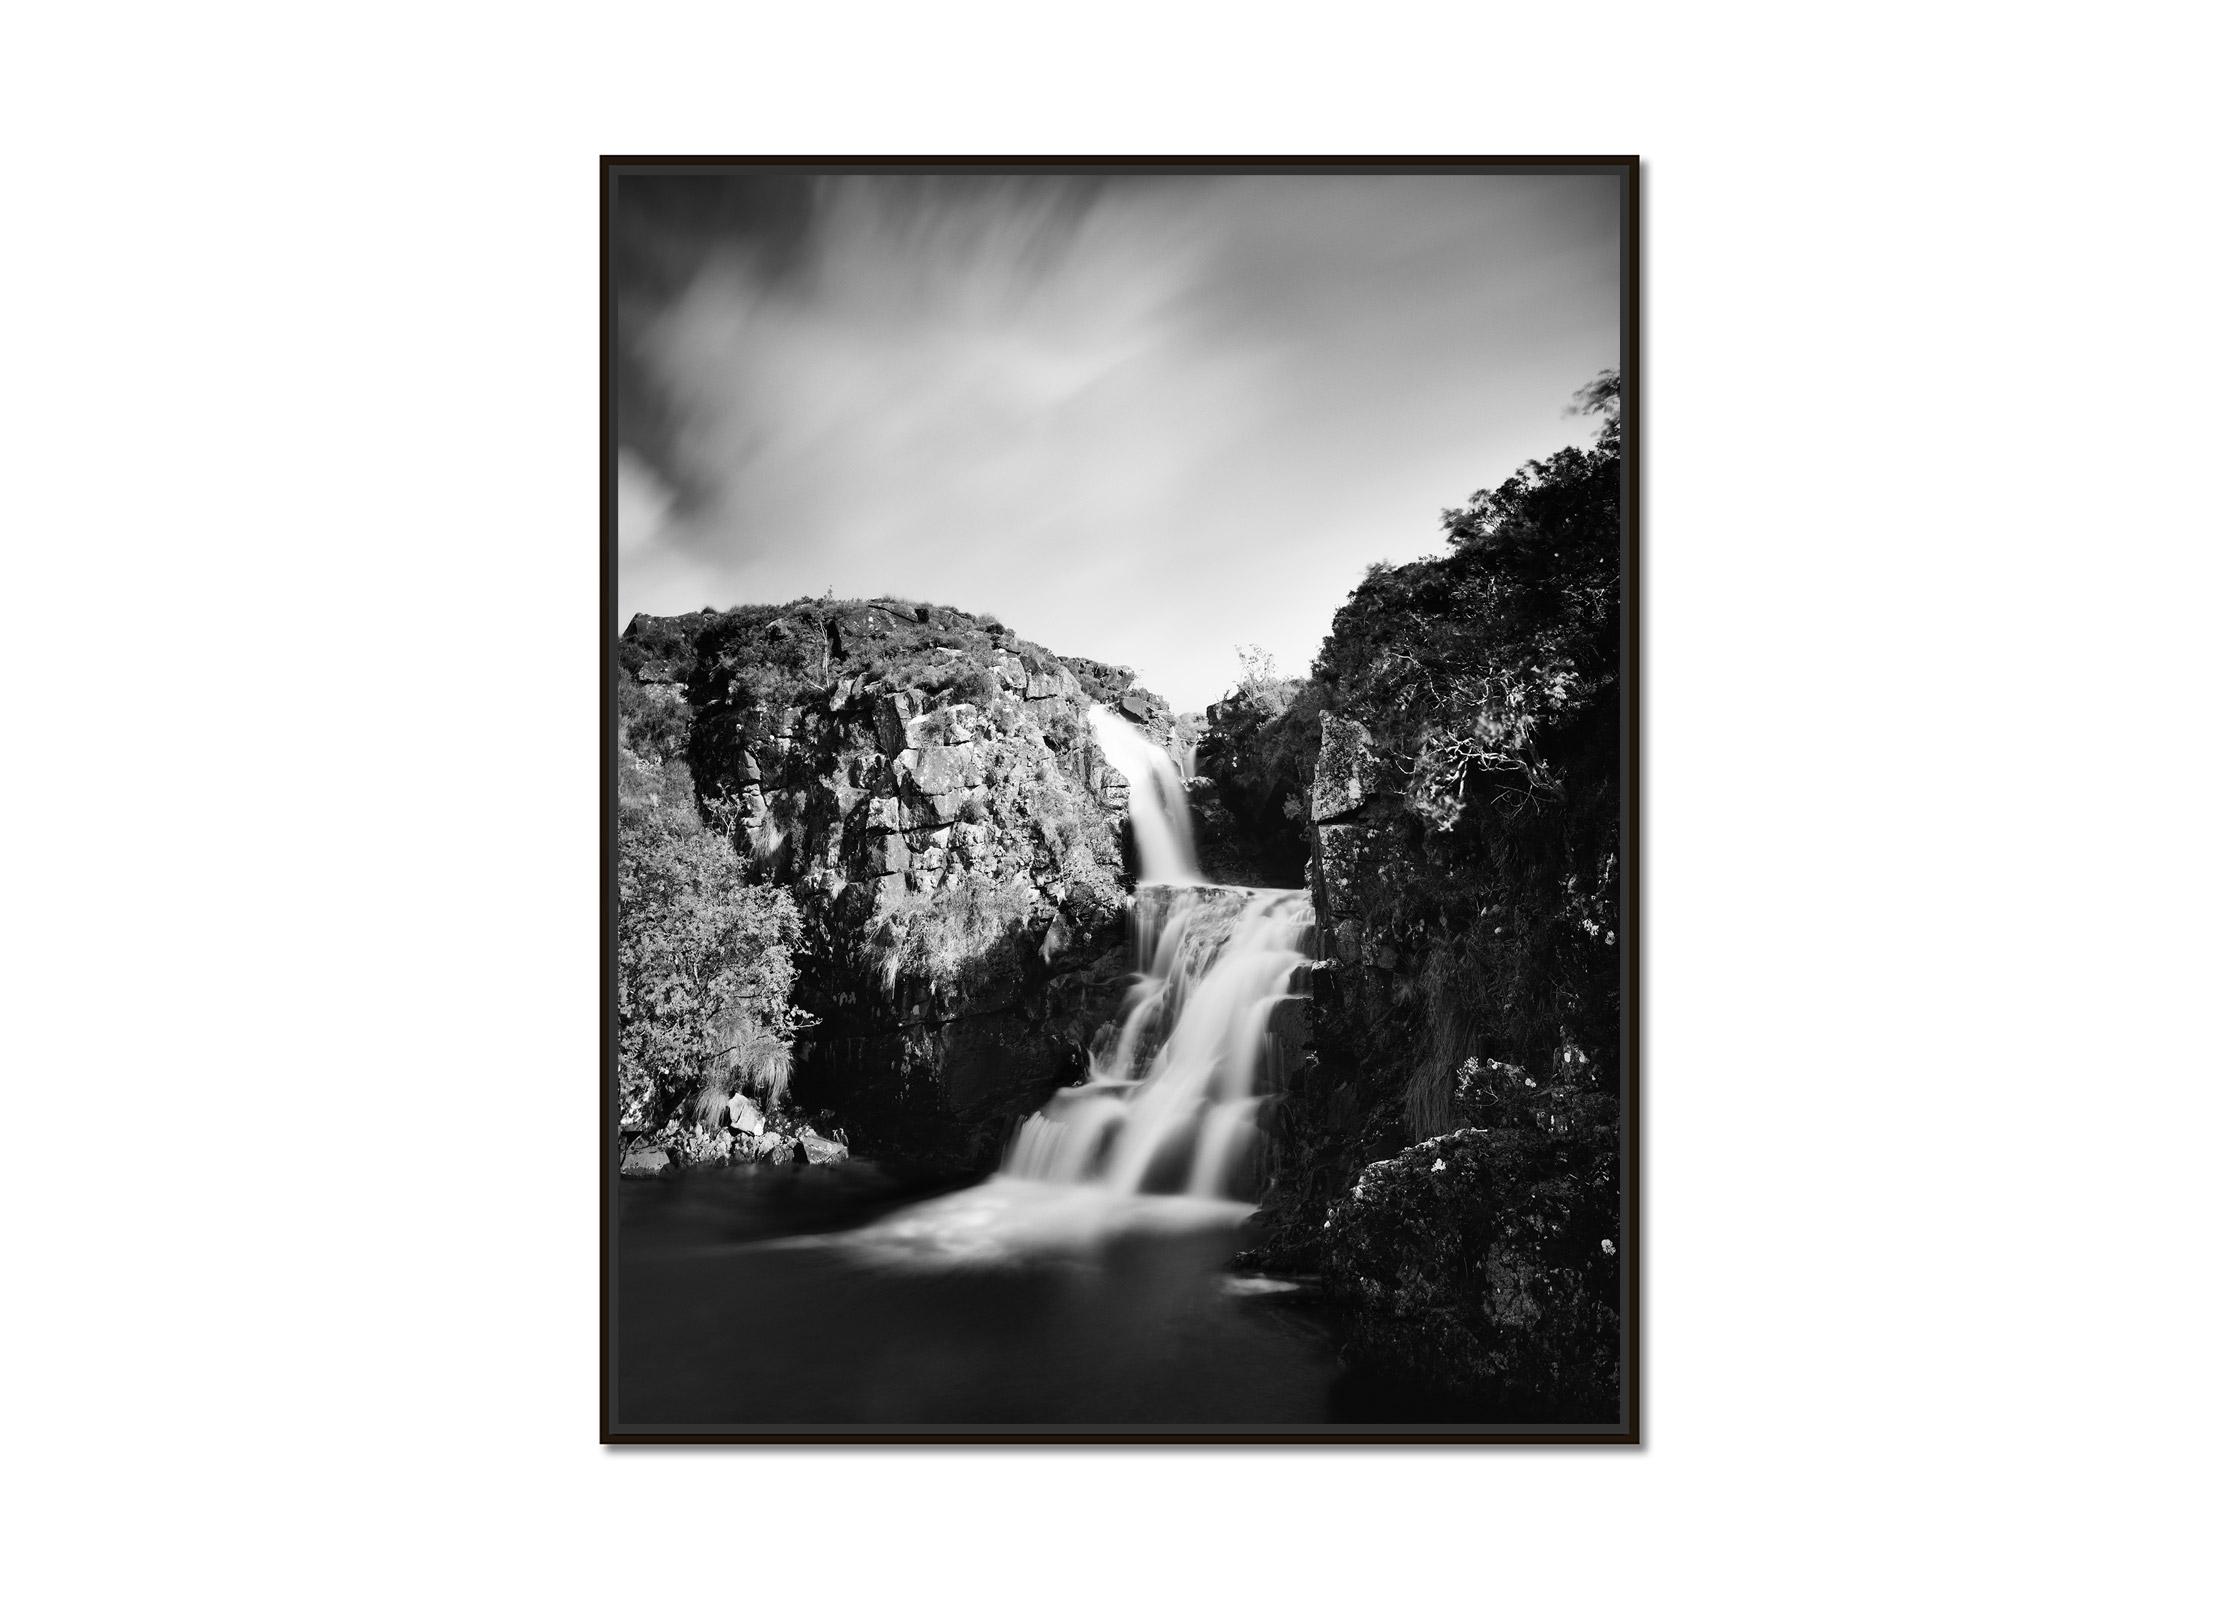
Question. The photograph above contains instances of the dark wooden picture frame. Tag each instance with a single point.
(1627, 1429)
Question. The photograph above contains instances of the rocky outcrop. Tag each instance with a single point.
(1348, 1104)
(1254, 761)
(1446, 1150)
(926, 784)
(1348, 772)
(1355, 806)
(1478, 1275)
(1116, 689)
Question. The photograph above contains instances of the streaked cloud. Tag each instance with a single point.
(1146, 420)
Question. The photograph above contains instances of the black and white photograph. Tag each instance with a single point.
(1121, 788)
(1158, 800)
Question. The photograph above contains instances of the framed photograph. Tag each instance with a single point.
(1120, 687)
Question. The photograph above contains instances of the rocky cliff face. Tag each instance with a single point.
(1462, 1209)
(1253, 764)
(1460, 782)
(1349, 1104)
(926, 785)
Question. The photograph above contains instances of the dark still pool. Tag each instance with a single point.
(768, 1295)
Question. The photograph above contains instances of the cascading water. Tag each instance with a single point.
(1157, 807)
(1170, 1100)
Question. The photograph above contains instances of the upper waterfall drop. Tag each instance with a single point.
(1157, 805)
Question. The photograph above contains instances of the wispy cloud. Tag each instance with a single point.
(1146, 420)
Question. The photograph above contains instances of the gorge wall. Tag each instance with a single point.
(925, 785)
(1446, 1153)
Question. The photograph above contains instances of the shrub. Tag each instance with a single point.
(704, 968)
(654, 717)
(942, 936)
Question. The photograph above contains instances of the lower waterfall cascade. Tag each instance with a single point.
(1171, 1100)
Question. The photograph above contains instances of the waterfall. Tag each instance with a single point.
(1170, 1107)
(1156, 803)
(1170, 1100)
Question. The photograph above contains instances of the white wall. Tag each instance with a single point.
(302, 383)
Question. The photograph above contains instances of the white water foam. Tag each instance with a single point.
(1159, 1136)
(1157, 805)
(1171, 1100)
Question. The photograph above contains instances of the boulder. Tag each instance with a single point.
(891, 722)
(645, 1163)
(746, 1116)
(1480, 1269)
(1345, 942)
(1113, 790)
(940, 769)
(818, 1151)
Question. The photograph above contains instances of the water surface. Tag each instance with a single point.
(795, 1294)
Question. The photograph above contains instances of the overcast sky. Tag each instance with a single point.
(1142, 419)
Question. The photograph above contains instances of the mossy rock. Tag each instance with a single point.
(1478, 1273)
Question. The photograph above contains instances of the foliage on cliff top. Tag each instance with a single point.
(773, 654)
(704, 963)
(1260, 743)
(1489, 669)
(1490, 677)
